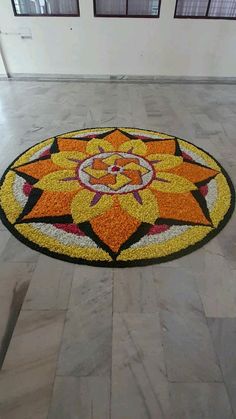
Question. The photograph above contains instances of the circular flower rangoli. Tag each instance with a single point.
(115, 197)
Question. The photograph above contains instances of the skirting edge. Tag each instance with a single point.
(120, 78)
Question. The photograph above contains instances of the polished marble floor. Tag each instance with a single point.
(156, 342)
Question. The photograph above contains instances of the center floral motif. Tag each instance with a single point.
(115, 173)
(115, 188)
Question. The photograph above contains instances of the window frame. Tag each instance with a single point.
(201, 17)
(44, 15)
(126, 16)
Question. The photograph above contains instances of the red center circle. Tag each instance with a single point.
(115, 169)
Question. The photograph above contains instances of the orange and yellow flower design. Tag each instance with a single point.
(116, 185)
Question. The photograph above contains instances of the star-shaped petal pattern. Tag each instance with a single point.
(162, 186)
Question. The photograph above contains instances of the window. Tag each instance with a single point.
(45, 7)
(208, 9)
(127, 8)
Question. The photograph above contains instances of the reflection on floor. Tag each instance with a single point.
(140, 343)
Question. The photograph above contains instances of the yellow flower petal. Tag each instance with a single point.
(137, 167)
(61, 181)
(146, 210)
(83, 209)
(121, 180)
(68, 159)
(165, 161)
(96, 173)
(97, 145)
(167, 182)
(111, 159)
(134, 146)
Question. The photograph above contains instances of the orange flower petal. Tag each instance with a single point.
(66, 144)
(52, 204)
(193, 172)
(122, 161)
(98, 164)
(134, 175)
(114, 227)
(181, 207)
(105, 180)
(116, 138)
(38, 169)
(162, 146)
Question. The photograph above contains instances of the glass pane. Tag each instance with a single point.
(17, 7)
(111, 7)
(143, 7)
(62, 7)
(192, 8)
(46, 7)
(223, 8)
(30, 7)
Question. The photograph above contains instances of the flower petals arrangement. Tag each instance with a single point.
(115, 197)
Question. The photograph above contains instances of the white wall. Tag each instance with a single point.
(102, 46)
(2, 68)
